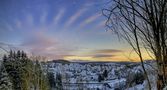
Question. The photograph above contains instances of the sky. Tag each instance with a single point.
(60, 29)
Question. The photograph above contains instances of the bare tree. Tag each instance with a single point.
(143, 24)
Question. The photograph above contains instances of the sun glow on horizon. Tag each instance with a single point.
(72, 30)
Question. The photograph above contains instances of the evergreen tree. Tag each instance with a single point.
(4, 58)
(51, 79)
(59, 82)
(18, 54)
(23, 55)
(24, 73)
(105, 73)
(10, 54)
(12, 67)
(100, 78)
(5, 83)
(14, 54)
(139, 77)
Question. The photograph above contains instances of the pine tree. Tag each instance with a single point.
(5, 83)
(100, 78)
(14, 54)
(12, 66)
(18, 54)
(4, 58)
(51, 79)
(24, 73)
(105, 74)
(10, 54)
(59, 85)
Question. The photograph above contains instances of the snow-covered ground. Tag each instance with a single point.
(90, 76)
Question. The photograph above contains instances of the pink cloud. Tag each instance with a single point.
(43, 45)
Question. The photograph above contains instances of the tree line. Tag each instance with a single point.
(19, 72)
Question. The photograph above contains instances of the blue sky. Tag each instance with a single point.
(67, 29)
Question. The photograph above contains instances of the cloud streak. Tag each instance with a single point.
(89, 20)
(59, 16)
(73, 18)
(107, 51)
(100, 24)
(103, 56)
(7, 47)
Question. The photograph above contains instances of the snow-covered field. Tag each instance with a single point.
(103, 76)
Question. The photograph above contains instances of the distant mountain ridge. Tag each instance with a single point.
(60, 61)
(97, 62)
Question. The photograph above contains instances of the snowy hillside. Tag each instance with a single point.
(102, 76)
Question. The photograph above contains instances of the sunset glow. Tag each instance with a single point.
(60, 29)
